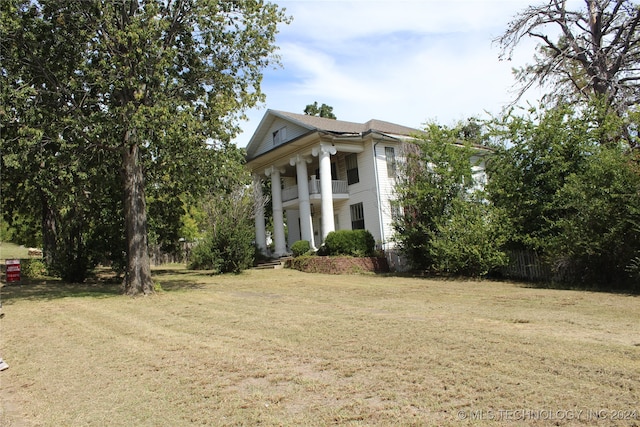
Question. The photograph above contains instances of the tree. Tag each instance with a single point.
(567, 197)
(445, 225)
(323, 111)
(38, 171)
(601, 210)
(142, 81)
(533, 157)
(594, 56)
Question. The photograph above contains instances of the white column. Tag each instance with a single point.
(326, 192)
(278, 218)
(306, 225)
(261, 235)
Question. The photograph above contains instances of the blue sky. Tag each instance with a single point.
(403, 61)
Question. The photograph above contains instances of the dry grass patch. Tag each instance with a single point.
(11, 250)
(280, 347)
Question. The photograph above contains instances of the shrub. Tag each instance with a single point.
(72, 259)
(204, 255)
(469, 242)
(300, 248)
(33, 268)
(227, 246)
(358, 243)
(229, 249)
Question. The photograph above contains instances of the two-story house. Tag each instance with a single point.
(325, 175)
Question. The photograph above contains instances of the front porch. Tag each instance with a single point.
(308, 198)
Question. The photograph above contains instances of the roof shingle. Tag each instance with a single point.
(341, 126)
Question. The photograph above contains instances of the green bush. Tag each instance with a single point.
(469, 242)
(228, 245)
(33, 268)
(229, 250)
(300, 248)
(204, 255)
(358, 243)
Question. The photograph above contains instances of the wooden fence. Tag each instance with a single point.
(158, 257)
(529, 266)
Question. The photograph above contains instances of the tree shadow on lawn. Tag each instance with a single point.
(630, 289)
(51, 288)
(104, 284)
(173, 285)
(172, 279)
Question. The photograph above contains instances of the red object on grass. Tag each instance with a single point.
(12, 270)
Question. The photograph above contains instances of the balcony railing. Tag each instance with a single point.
(337, 187)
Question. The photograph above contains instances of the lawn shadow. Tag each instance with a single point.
(50, 289)
(182, 272)
(102, 284)
(580, 287)
(173, 279)
(630, 290)
(174, 285)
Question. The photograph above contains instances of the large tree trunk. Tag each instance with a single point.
(49, 232)
(138, 273)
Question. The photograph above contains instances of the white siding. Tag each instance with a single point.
(368, 191)
(386, 186)
(479, 173)
(293, 131)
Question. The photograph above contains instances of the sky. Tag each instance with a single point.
(408, 62)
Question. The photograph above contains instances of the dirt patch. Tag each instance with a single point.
(339, 265)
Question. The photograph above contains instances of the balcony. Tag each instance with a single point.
(340, 190)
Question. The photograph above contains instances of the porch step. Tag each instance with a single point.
(269, 265)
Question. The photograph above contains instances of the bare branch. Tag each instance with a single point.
(595, 54)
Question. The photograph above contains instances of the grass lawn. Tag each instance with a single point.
(11, 250)
(280, 347)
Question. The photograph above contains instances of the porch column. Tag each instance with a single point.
(278, 218)
(261, 235)
(306, 224)
(326, 192)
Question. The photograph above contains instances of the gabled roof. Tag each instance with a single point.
(321, 124)
(341, 126)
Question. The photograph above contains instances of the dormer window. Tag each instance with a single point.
(280, 136)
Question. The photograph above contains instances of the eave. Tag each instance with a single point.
(303, 145)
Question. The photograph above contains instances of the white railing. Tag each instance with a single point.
(289, 193)
(337, 187)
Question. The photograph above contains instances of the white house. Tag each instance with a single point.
(326, 175)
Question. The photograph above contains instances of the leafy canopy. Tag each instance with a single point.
(444, 224)
(322, 111)
(143, 88)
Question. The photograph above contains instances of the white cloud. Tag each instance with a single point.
(401, 61)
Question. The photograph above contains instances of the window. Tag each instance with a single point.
(390, 155)
(357, 217)
(352, 169)
(334, 172)
(396, 211)
(279, 136)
